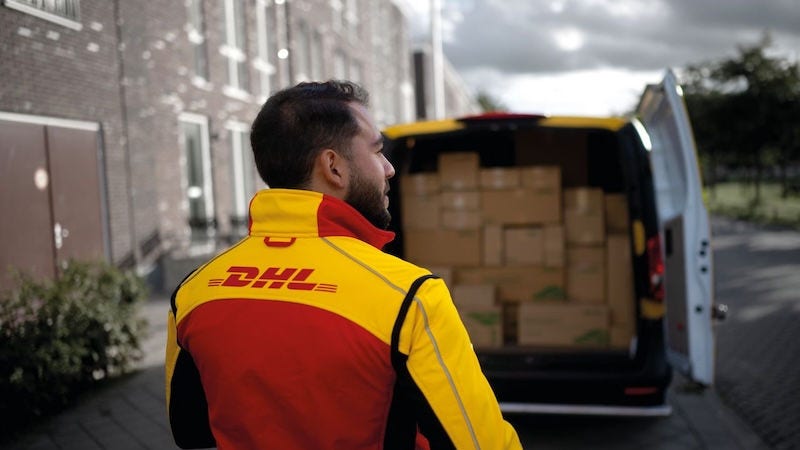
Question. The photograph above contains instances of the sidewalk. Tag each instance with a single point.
(130, 413)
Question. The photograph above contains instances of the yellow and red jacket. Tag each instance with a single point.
(283, 341)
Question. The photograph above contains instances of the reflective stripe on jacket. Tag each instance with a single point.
(289, 331)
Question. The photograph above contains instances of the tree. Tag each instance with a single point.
(488, 103)
(745, 110)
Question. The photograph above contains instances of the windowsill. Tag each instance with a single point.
(237, 93)
(202, 83)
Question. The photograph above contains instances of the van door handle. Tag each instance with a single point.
(59, 234)
(719, 311)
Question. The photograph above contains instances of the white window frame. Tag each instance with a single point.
(205, 150)
(48, 11)
(197, 37)
(262, 63)
(238, 147)
(234, 52)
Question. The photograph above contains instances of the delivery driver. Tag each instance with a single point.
(284, 340)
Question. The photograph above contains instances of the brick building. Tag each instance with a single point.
(124, 124)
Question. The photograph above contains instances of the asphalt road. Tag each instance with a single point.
(758, 346)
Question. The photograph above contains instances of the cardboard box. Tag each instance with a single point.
(554, 324)
(422, 183)
(520, 207)
(518, 283)
(421, 212)
(484, 325)
(474, 295)
(443, 247)
(443, 272)
(584, 216)
(586, 274)
(620, 337)
(523, 246)
(469, 200)
(499, 178)
(580, 229)
(510, 319)
(620, 290)
(492, 245)
(617, 214)
(541, 179)
(554, 246)
(458, 171)
(461, 219)
(584, 201)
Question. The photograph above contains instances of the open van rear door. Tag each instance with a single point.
(684, 228)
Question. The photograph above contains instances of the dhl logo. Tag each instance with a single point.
(271, 278)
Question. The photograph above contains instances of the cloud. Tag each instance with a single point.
(522, 36)
(514, 42)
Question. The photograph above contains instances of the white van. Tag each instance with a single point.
(640, 176)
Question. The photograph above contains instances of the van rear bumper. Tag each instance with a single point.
(630, 389)
(586, 410)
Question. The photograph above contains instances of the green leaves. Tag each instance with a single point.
(61, 336)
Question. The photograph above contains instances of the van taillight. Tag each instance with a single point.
(656, 268)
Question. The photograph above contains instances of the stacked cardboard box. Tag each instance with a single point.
(531, 264)
(427, 240)
(480, 313)
(563, 324)
(488, 226)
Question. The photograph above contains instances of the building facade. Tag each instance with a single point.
(124, 125)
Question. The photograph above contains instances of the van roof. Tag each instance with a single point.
(448, 125)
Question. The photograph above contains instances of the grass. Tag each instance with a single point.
(737, 200)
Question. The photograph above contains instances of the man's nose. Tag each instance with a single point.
(388, 168)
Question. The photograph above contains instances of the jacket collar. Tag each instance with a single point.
(294, 213)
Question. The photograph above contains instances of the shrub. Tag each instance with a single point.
(60, 337)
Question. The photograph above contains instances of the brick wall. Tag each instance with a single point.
(51, 70)
(137, 84)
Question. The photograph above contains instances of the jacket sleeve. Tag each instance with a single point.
(456, 407)
(186, 401)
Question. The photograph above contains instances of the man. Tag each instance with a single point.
(285, 340)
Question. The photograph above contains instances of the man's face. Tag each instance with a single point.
(368, 186)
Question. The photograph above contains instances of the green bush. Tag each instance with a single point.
(60, 337)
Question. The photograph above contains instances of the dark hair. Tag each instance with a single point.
(296, 123)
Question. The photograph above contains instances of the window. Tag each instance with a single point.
(317, 61)
(351, 16)
(197, 36)
(267, 48)
(198, 187)
(62, 12)
(302, 52)
(339, 65)
(235, 45)
(281, 15)
(243, 175)
(357, 72)
(337, 15)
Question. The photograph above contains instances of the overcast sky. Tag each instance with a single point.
(595, 56)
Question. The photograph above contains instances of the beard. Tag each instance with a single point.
(367, 199)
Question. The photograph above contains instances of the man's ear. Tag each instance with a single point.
(332, 168)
